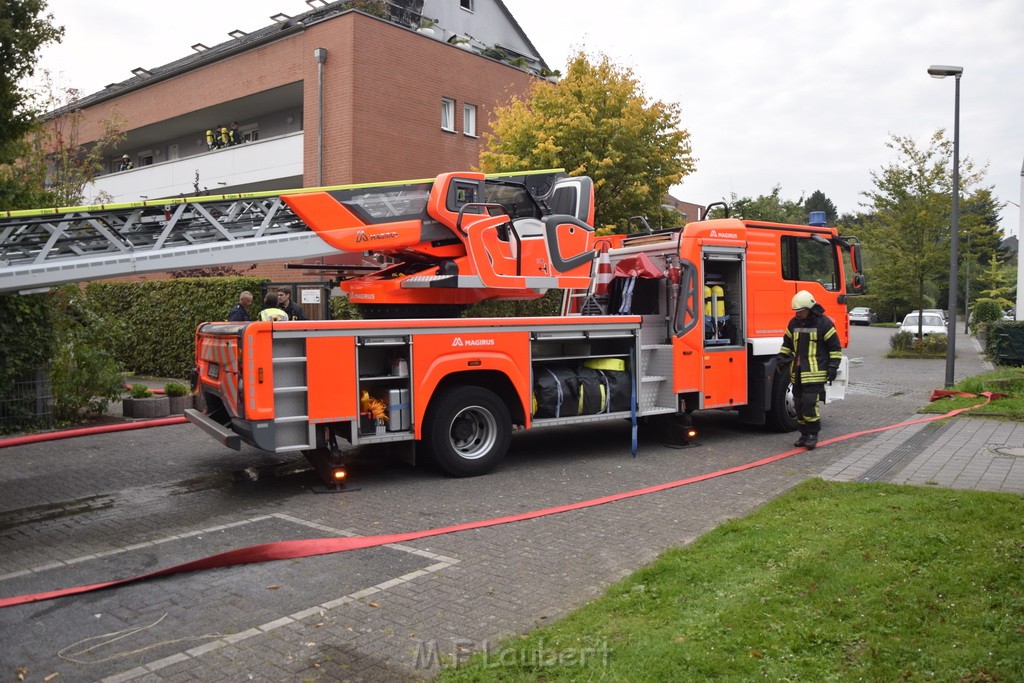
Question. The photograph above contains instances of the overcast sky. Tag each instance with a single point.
(799, 93)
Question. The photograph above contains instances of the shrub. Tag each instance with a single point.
(140, 391)
(906, 343)
(343, 309)
(175, 389)
(902, 341)
(547, 305)
(984, 311)
(931, 345)
(86, 371)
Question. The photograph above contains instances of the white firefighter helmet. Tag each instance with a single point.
(803, 299)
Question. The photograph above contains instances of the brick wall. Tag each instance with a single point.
(382, 103)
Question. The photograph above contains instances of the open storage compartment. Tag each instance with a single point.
(580, 375)
(384, 366)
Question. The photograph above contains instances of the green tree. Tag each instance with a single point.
(596, 121)
(997, 282)
(979, 224)
(818, 201)
(23, 30)
(907, 231)
(54, 167)
(768, 207)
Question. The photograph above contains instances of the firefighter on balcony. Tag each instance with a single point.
(812, 351)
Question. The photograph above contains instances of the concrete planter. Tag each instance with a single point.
(178, 404)
(147, 408)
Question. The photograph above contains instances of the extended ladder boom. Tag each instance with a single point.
(454, 239)
(43, 248)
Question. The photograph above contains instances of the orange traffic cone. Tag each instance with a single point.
(604, 271)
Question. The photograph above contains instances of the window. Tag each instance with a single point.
(466, 5)
(250, 132)
(447, 114)
(809, 260)
(469, 119)
(146, 158)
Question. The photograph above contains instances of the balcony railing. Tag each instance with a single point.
(219, 171)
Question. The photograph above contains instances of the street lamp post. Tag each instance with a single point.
(940, 71)
(967, 287)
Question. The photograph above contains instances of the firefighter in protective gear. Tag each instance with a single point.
(270, 310)
(812, 351)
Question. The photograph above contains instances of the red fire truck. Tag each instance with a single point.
(655, 323)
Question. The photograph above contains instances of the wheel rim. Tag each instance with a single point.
(473, 432)
(790, 402)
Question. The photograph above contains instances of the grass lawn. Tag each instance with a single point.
(832, 581)
(1008, 381)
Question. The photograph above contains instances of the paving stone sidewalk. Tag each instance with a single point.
(963, 453)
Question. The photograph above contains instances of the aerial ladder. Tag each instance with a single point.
(438, 245)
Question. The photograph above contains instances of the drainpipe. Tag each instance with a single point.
(320, 54)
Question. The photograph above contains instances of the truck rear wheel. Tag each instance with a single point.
(782, 414)
(470, 430)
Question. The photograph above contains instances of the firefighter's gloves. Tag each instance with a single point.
(831, 374)
(782, 360)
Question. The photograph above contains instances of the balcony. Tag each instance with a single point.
(271, 164)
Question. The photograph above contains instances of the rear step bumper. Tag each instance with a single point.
(214, 429)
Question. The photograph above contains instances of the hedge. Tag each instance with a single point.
(160, 318)
(27, 339)
(1004, 342)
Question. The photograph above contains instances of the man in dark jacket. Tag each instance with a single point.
(240, 313)
(812, 350)
(285, 303)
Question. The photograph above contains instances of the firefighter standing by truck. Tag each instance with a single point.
(813, 353)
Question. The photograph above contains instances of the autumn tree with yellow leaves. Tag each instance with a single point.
(597, 121)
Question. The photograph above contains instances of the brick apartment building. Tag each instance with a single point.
(354, 91)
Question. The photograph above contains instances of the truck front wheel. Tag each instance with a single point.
(782, 415)
(469, 431)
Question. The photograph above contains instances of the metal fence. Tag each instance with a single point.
(28, 404)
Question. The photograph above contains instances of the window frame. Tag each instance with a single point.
(466, 5)
(448, 108)
(469, 113)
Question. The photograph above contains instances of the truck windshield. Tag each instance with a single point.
(514, 197)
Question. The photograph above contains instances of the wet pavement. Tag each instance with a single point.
(111, 506)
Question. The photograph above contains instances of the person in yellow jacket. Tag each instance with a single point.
(270, 310)
(812, 346)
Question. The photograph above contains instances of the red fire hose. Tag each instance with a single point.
(86, 431)
(286, 550)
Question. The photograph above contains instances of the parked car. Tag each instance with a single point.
(862, 316)
(936, 311)
(931, 323)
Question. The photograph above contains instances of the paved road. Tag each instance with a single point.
(111, 506)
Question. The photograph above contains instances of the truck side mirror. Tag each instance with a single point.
(855, 258)
(857, 286)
